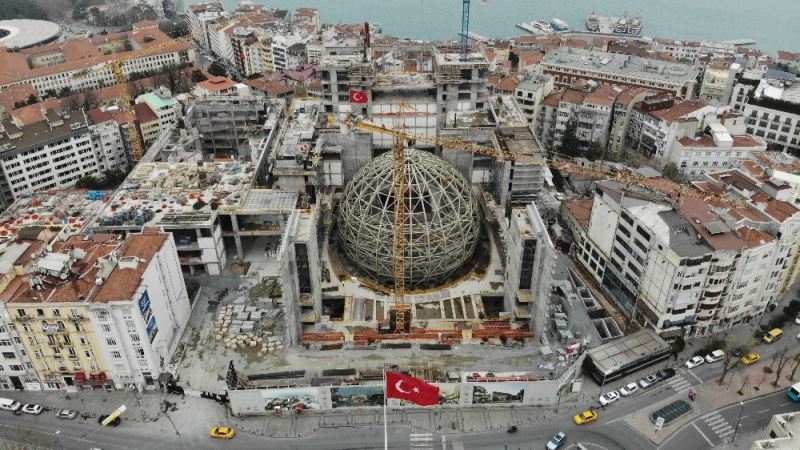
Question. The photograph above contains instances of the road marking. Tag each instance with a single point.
(763, 411)
(787, 403)
(615, 420)
(725, 433)
(701, 434)
(695, 377)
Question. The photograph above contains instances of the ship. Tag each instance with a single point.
(558, 25)
(624, 25)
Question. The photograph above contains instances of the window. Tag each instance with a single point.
(88, 354)
(40, 312)
(94, 367)
(106, 329)
(56, 313)
(16, 367)
(111, 341)
(9, 355)
(116, 355)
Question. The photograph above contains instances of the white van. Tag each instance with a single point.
(8, 404)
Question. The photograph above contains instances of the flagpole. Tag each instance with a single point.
(385, 427)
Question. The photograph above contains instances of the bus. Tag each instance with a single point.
(794, 392)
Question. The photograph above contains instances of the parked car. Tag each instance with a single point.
(9, 404)
(585, 417)
(223, 433)
(694, 362)
(797, 320)
(557, 441)
(67, 414)
(32, 408)
(750, 358)
(648, 381)
(665, 373)
(628, 389)
(715, 356)
(738, 351)
(609, 398)
(175, 389)
(113, 423)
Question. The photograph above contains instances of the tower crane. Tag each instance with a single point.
(116, 66)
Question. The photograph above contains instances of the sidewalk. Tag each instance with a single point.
(710, 397)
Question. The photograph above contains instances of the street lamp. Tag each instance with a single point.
(741, 408)
(58, 439)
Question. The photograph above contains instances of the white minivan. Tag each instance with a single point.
(8, 404)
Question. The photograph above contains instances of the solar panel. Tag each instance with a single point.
(671, 411)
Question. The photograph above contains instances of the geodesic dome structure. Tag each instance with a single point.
(442, 224)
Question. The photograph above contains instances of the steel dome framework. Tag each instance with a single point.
(442, 225)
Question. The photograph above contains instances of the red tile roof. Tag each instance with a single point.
(552, 100)
(581, 210)
(573, 97)
(603, 95)
(698, 213)
(707, 141)
(144, 114)
(753, 237)
(217, 84)
(680, 109)
(122, 283)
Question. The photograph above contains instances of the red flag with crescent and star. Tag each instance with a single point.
(357, 96)
(412, 389)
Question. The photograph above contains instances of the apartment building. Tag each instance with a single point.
(81, 64)
(717, 85)
(47, 148)
(148, 123)
(659, 120)
(781, 433)
(530, 93)
(201, 18)
(164, 106)
(115, 325)
(691, 269)
(569, 65)
(585, 106)
(624, 106)
(714, 149)
(773, 110)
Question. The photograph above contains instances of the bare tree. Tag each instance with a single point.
(728, 363)
(796, 360)
(744, 383)
(782, 360)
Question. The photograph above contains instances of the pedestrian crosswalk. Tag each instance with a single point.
(718, 425)
(679, 383)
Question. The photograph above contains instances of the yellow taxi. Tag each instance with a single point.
(223, 433)
(750, 358)
(585, 417)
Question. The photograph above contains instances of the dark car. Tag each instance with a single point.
(666, 373)
(738, 352)
(113, 423)
(175, 389)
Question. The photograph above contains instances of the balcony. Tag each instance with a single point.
(524, 296)
(308, 317)
(522, 312)
(705, 315)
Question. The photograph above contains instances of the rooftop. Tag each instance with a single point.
(217, 84)
(42, 130)
(608, 358)
(102, 278)
(71, 207)
(581, 210)
(616, 64)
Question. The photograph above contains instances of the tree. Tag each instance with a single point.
(670, 171)
(782, 360)
(18, 104)
(87, 182)
(89, 100)
(197, 76)
(32, 99)
(569, 141)
(217, 68)
(796, 360)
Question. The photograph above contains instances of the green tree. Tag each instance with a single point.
(32, 99)
(217, 68)
(569, 142)
(87, 182)
(670, 171)
(197, 76)
(20, 9)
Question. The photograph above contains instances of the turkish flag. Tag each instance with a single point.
(357, 96)
(412, 389)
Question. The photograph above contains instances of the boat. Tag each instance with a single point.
(631, 26)
(536, 27)
(558, 25)
(542, 27)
